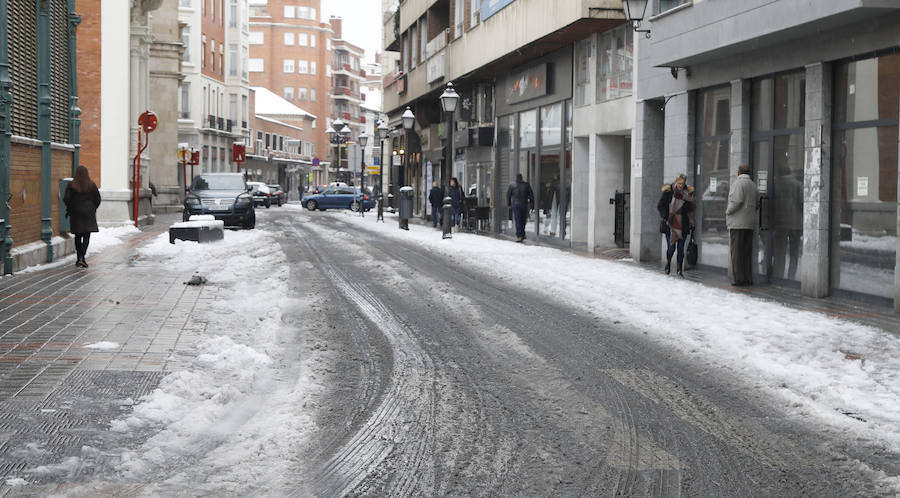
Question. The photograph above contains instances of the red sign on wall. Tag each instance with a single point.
(238, 153)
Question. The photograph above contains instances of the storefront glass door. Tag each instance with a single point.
(713, 174)
(528, 163)
(549, 195)
(778, 117)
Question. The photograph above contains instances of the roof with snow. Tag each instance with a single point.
(268, 103)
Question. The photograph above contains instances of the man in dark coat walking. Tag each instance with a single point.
(520, 198)
(436, 199)
(82, 199)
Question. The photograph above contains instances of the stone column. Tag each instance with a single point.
(646, 178)
(165, 79)
(815, 275)
(679, 136)
(582, 175)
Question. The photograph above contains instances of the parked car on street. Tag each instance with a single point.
(338, 198)
(223, 195)
(261, 194)
(279, 196)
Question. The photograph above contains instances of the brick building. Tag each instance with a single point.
(305, 61)
(280, 149)
(38, 128)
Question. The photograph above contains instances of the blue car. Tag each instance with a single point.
(338, 198)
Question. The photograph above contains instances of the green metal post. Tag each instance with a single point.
(44, 100)
(6, 241)
(74, 110)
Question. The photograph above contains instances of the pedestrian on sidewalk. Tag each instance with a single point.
(740, 218)
(520, 198)
(82, 199)
(436, 198)
(676, 207)
(457, 197)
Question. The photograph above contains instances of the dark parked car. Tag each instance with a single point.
(223, 195)
(261, 194)
(279, 196)
(338, 198)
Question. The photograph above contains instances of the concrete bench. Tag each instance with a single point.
(200, 228)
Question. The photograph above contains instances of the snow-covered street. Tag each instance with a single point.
(329, 354)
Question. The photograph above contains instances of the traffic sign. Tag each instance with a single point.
(373, 170)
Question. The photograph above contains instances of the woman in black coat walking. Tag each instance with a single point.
(457, 199)
(82, 199)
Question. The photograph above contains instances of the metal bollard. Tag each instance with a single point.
(445, 225)
(406, 206)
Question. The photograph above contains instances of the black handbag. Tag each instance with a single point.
(691, 253)
(663, 226)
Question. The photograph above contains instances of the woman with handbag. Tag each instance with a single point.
(676, 208)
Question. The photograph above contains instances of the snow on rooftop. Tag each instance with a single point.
(267, 102)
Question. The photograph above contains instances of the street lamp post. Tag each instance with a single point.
(449, 100)
(381, 133)
(409, 121)
(338, 134)
(363, 140)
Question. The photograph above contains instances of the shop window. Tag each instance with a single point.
(583, 72)
(864, 172)
(713, 134)
(615, 52)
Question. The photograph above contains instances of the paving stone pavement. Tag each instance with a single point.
(58, 396)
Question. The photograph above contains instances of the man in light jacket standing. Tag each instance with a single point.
(740, 217)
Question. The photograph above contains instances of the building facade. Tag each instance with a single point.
(282, 148)
(290, 55)
(39, 128)
(214, 96)
(807, 94)
(512, 63)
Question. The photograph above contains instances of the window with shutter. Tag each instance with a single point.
(59, 72)
(22, 30)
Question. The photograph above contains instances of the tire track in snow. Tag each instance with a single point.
(404, 411)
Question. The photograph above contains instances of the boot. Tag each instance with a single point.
(679, 272)
(668, 266)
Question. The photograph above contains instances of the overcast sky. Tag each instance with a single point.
(362, 22)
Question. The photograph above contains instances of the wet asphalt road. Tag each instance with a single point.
(443, 381)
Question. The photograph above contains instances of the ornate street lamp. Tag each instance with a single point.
(381, 133)
(634, 13)
(449, 101)
(363, 139)
(409, 121)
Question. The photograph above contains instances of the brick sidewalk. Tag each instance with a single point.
(54, 390)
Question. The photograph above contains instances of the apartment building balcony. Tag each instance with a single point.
(345, 93)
